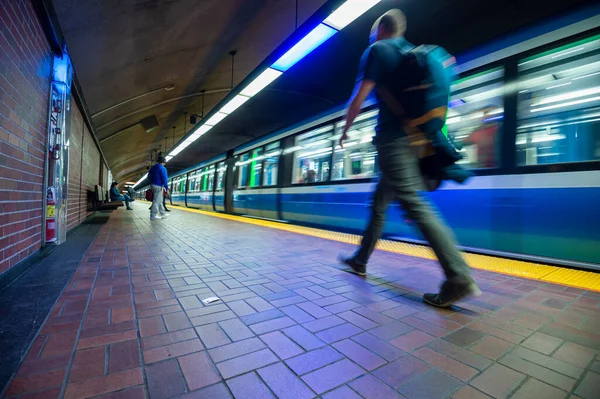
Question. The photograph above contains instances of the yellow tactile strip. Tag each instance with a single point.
(535, 271)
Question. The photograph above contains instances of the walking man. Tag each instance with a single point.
(400, 175)
(159, 181)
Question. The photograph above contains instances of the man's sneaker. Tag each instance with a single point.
(355, 267)
(452, 291)
(155, 217)
(164, 215)
(168, 210)
(129, 209)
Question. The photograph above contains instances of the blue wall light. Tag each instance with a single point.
(314, 39)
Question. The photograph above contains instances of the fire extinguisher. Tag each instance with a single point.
(50, 215)
(55, 149)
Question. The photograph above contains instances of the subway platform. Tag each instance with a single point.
(290, 323)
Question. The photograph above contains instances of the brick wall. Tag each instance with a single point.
(25, 63)
(84, 169)
(90, 165)
(74, 185)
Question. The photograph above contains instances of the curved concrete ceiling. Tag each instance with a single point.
(125, 54)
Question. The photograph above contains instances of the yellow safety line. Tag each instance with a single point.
(534, 271)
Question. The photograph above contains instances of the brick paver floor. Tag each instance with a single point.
(290, 324)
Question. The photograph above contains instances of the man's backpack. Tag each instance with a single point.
(149, 195)
(421, 97)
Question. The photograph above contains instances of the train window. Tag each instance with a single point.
(221, 168)
(201, 180)
(192, 182)
(180, 184)
(559, 105)
(198, 179)
(271, 169)
(256, 167)
(475, 117)
(210, 177)
(312, 154)
(242, 169)
(357, 159)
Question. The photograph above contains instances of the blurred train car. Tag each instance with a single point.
(527, 110)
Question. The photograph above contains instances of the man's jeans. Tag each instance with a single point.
(157, 201)
(401, 180)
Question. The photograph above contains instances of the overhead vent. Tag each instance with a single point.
(150, 123)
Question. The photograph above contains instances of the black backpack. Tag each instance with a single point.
(425, 75)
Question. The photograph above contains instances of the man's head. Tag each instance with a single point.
(389, 25)
(114, 184)
(162, 160)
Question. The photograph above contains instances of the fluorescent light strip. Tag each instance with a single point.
(348, 12)
(567, 52)
(262, 81)
(141, 180)
(569, 96)
(567, 104)
(216, 118)
(314, 39)
(293, 149)
(202, 130)
(316, 154)
(586, 76)
(577, 119)
(543, 139)
(234, 104)
(560, 85)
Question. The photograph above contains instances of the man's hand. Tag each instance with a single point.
(342, 139)
(361, 91)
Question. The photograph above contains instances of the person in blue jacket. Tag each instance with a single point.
(159, 181)
(116, 196)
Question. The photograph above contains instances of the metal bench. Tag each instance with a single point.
(102, 201)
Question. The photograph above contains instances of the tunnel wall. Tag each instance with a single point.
(25, 66)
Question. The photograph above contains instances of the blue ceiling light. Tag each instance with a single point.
(314, 39)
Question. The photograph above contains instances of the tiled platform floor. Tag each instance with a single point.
(290, 324)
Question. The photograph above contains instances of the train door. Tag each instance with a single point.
(229, 166)
(220, 186)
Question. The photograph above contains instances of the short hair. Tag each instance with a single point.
(393, 22)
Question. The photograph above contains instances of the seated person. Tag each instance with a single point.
(116, 196)
(311, 176)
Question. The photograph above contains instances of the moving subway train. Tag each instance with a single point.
(527, 111)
